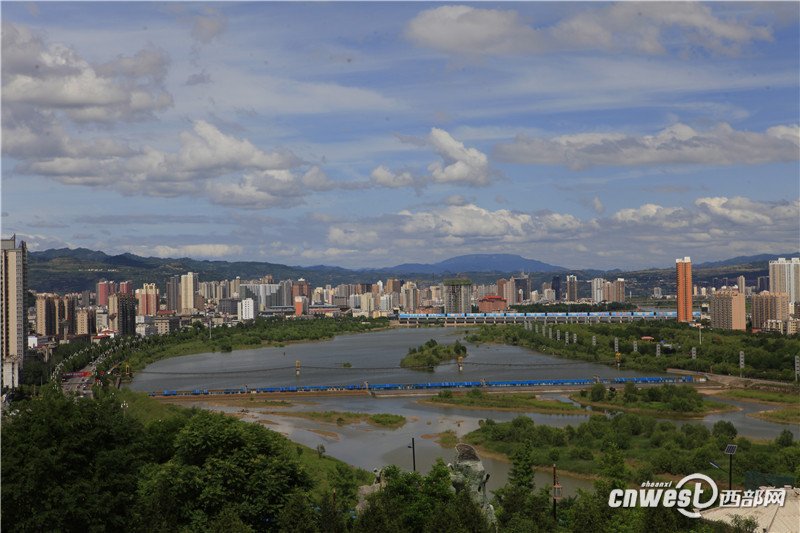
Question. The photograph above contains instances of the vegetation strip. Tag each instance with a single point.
(477, 399)
(769, 357)
(666, 400)
(345, 417)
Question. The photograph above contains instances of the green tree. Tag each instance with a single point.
(785, 439)
(69, 464)
(219, 464)
(598, 392)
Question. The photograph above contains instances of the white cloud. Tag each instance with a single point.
(598, 206)
(677, 144)
(459, 165)
(208, 26)
(53, 77)
(648, 28)
(468, 30)
(190, 250)
(384, 177)
(463, 165)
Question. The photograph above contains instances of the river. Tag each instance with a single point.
(375, 357)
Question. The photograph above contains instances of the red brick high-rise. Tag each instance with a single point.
(683, 271)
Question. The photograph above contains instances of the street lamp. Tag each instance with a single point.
(413, 455)
(730, 451)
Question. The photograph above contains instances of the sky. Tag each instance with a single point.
(586, 135)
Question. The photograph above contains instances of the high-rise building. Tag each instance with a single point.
(300, 305)
(506, 289)
(784, 276)
(572, 288)
(409, 297)
(769, 306)
(522, 288)
(457, 295)
(619, 290)
(122, 313)
(85, 318)
(366, 303)
(762, 283)
(147, 298)
(727, 310)
(741, 284)
(188, 289)
(174, 293)
(556, 286)
(597, 290)
(301, 288)
(46, 314)
(68, 319)
(246, 309)
(126, 287)
(104, 290)
(683, 273)
(13, 314)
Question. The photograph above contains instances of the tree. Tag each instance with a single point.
(218, 464)
(598, 392)
(521, 474)
(785, 439)
(69, 464)
(724, 431)
(629, 394)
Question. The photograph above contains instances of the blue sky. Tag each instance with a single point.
(592, 135)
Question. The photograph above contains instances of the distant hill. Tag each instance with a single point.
(746, 259)
(477, 263)
(67, 270)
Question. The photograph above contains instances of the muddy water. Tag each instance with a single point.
(375, 357)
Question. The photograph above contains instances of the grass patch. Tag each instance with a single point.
(387, 420)
(780, 416)
(343, 418)
(477, 399)
(762, 396)
(447, 439)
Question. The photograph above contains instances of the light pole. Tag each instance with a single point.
(413, 455)
(730, 450)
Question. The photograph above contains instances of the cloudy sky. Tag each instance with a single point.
(367, 134)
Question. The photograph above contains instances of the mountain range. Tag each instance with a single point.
(67, 270)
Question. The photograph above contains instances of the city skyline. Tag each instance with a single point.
(367, 135)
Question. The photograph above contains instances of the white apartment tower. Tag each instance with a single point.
(188, 289)
(14, 287)
(784, 276)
